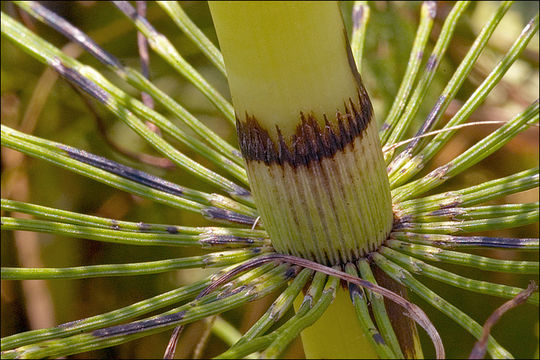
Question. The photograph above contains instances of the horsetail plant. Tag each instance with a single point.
(319, 205)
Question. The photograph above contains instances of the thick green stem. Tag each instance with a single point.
(305, 128)
(312, 152)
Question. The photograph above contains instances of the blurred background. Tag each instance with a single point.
(34, 101)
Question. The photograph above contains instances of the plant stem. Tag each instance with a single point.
(305, 129)
(337, 334)
(312, 151)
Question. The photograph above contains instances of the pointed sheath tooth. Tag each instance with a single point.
(350, 210)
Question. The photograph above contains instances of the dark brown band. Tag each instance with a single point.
(309, 142)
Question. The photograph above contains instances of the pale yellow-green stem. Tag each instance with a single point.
(284, 58)
(312, 151)
(337, 334)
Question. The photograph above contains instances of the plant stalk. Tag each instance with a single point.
(312, 152)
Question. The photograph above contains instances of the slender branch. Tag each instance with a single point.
(427, 16)
(209, 235)
(390, 147)
(142, 45)
(479, 349)
(360, 15)
(411, 166)
(278, 308)
(472, 195)
(221, 152)
(161, 45)
(379, 310)
(405, 278)
(457, 80)
(211, 260)
(171, 346)
(193, 32)
(358, 299)
(258, 283)
(426, 79)
(450, 241)
(421, 268)
(110, 318)
(205, 336)
(432, 253)
(413, 310)
(471, 156)
(295, 325)
(128, 179)
(142, 158)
